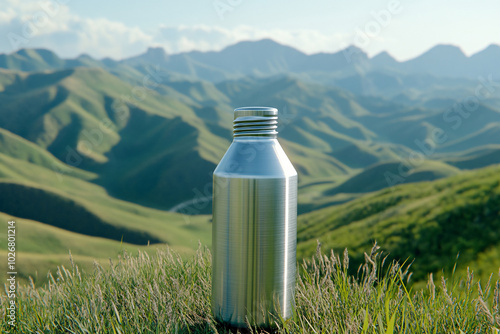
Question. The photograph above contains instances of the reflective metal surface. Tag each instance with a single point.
(254, 224)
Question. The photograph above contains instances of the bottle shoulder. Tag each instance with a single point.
(260, 158)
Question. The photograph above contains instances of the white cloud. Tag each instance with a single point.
(50, 24)
(205, 38)
(7, 15)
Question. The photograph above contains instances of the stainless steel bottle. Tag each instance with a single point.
(254, 232)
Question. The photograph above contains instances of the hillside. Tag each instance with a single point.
(56, 213)
(431, 223)
(377, 177)
(76, 116)
(477, 158)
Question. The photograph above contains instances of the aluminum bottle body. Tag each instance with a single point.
(254, 233)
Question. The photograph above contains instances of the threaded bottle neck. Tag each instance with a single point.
(255, 122)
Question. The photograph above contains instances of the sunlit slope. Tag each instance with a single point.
(36, 193)
(430, 222)
(92, 120)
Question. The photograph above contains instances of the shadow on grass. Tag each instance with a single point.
(223, 329)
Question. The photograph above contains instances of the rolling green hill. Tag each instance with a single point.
(329, 191)
(377, 177)
(27, 186)
(488, 135)
(476, 158)
(429, 222)
(17, 147)
(56, 213)
(31, 60)
(73, 115)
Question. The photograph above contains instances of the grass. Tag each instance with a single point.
(164, 293)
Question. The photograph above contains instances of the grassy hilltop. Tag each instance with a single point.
(163, 293)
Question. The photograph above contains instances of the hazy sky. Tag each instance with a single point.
(120, 29)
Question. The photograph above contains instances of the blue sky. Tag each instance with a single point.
(121, 29)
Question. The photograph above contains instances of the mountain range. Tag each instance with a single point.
(267, 57)
(117, 143)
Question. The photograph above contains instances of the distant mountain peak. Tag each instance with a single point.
(153, 55)
(31, 60)
(84, 56)
(445, 50)
(492, 49)
(264, 42)
(383, 55)
(353, 48)
(351, 52)
(30, 52)
(441, 60)
(156, 53)
(263, 45)
(383, 59)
